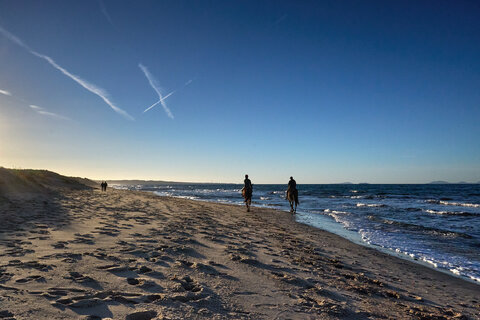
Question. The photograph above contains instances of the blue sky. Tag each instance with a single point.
(326, 91)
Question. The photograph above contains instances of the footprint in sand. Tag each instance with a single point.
(39, 232)
(84, 239)
(104, 298)
(57, 293)
(5, 276)
(190, 290)
(60, 245)
(36, 278)
(112, 232)
(142, 315)
(31, 265)
(84, 280)
(145, 284)
(15, 248)
(6, 314)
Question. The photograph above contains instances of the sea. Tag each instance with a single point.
(433, 224)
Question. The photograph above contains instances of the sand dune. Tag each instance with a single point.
(79, 253)
(15, 183)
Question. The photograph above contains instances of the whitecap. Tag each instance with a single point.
(456, 204)
(460, 204)
(370, 205)
(455, 271)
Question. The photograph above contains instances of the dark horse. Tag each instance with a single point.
(247, 195)
(292, 197)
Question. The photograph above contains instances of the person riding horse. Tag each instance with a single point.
(292, 194)
(247, 184)
(247, 191)
(292, 184)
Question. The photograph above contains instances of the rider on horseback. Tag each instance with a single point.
(247, 184)
(247, 192)
(292, 187)
(292, 184)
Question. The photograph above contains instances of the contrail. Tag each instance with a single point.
(87, 85)
(42, 111)
(168, 95)
(5, 92)
(281, 19)
(53, 115)
(105, 13)
(154, 85)
(159, 101)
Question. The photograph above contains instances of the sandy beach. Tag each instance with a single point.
(79, 253)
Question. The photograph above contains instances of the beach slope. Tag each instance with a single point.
(79, 253)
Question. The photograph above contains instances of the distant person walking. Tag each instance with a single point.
(247, 192)
(104, 185)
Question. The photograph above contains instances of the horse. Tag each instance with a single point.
(247, 195)
(292, 197)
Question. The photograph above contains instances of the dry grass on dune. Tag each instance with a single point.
(22, 182)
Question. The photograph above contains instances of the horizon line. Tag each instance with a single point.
(345, 183)
(434, 182)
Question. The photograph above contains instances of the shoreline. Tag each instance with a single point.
(401, 255)
(355, 238)
(80, 254)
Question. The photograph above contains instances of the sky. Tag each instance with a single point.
(207, 91)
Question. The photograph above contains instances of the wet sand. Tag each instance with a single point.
(87, 254)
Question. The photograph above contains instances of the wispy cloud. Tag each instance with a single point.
(43, 112)
(84, 83)
(103, 8)
(5, 92)
(156, 87)
(36, 108)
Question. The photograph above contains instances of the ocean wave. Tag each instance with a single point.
(474, 278)
(456, 204)
(370, 205)
(264, 198)
(164, 193)
(422, 229)
(451, 213)
(456, 271)
(430, 261)
(273, 205)
(187, 197)
(341, 217)
(276, 192)
(335, 211)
